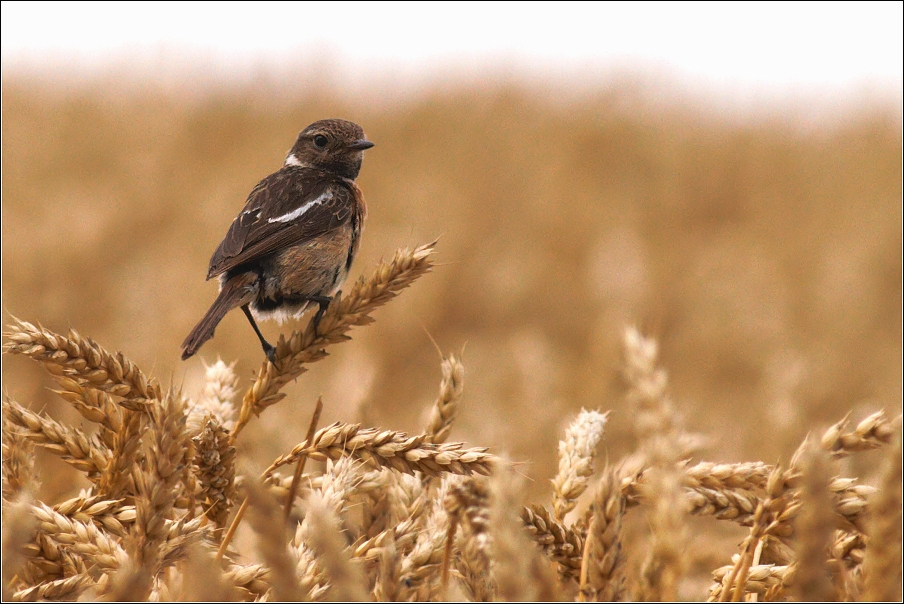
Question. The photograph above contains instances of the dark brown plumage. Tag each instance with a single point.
(295, 239)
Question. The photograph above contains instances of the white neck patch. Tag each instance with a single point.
(298, 212)
(293, 161)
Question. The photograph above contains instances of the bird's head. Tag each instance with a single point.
(334, 145)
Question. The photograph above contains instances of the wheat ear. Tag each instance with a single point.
(345, 312)
(81, 359)
(85, 453)
(602, 564)
(813, 529)
(445, 408)
(272, 540)
(386, 448)
(882, 563)
(659, 428)
(576, 454)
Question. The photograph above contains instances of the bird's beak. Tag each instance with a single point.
(360, 145)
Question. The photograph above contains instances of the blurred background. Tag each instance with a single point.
(725, 177)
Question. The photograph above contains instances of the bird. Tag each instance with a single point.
(293, 243)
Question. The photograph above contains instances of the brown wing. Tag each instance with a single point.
(288, 207)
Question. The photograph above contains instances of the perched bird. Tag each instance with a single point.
(295, 239)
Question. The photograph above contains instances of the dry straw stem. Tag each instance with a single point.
(299, 466)
(882, 563)
(563, 544)
(602, 562)
(813, 529)
(445, 409)
(386, 448)
(75, 448)
(345, 312)
(81, 359)
(576, 453)
(871, 433)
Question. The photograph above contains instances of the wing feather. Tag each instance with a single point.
(287, 208)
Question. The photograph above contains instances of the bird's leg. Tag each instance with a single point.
(269, 349)
(324, 303)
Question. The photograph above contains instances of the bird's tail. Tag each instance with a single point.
(237, 291)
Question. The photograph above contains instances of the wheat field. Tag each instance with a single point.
(580, 248)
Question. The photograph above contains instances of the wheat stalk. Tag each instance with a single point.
(563, 544)
(576, 453)
(813, 529)
(871, 433)
(445, 408)
(467, 504)
(82, 360)
(18, 462)
(272, 541)
(324, 538)
(386, 448)
(519, 571)
(601, 578)
(345, 312)
(61, 589)
(83, 538)
(216, 398)
(214, 466)
(659, 429)
(110, 515)
(85, 453)
(155, 487)
(760, 580)
(882, 563)
(372, 526)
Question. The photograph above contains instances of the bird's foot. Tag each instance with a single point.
(270, 351)
(323, 303)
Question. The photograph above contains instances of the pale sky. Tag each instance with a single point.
(735, 46)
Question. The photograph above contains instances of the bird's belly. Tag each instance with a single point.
(293, 275)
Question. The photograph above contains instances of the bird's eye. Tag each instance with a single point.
(321, 141)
